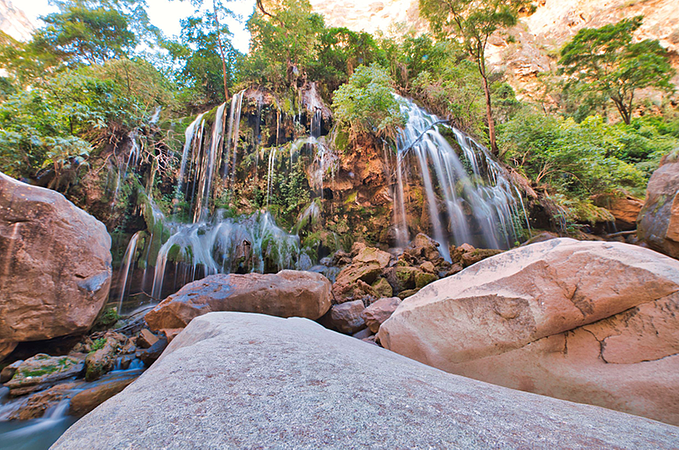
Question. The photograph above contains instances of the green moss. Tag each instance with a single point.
(97, 345)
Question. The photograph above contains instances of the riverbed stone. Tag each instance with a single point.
(88, 399)
(345, 317)
(234, 380)
(41, 371)
(287, 293)
(55, 264)
(593, 322)
(377, 313)
(102, 359)
(382, 288)
(658, 221)
(348, 282)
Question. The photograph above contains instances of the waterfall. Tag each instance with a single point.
(476, 206)
(234, 135)
(241, 245)
(127, 265)
(208, 168)
(197, 124)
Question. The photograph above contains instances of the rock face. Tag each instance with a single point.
(592, 322)
(286, 294)
(658, 222)
(55, 264)
(234, 380)
(625, 209)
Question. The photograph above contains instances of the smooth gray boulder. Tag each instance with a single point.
(237, 380)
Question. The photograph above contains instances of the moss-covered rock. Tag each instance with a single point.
(423, 278)
(382, 288)
(41, 371)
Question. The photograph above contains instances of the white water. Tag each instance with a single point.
(475, 206)
(226, 246)
(127, 264)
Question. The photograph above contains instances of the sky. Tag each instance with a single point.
(164, 14)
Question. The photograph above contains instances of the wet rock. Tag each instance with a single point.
(287, 293)
(347, 280)
(466, 255)
(541, 237)
(593, 322)
(346, 317)
(369, 255)
(341, 258)
(85, 401)
(102, 358)
(171, 333)
(255, 381)
(377, 313)
(407, 293)
(151, 354)
(423, 248)
(55, 262)
(9, 371)
(382, 288)
(428, 267)
(146, 339)
(41, 371)
(401, 277)
(34, 407)
(624, 208)
(357, 247)
(455, 268)
(658, 221)
(422, 279)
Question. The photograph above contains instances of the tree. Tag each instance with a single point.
(366, 104)
(284, 43)
(206, 58)
(473, 22)
(82, 32)
(607, 59)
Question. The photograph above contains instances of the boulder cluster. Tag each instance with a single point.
(372, 282)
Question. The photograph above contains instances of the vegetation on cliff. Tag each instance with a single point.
(79, 93)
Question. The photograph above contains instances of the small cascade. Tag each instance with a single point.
(207, 167)
(225, 246)
(270, 174)
(468, 195)
(156, 115)
(125, 269)
(233, 133)
(196, 125)
(132, 160)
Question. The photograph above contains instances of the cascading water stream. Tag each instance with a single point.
(479, 205)
(208, 167)
(127, 264)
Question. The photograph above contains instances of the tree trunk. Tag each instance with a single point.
(489, 107)
(221, 50)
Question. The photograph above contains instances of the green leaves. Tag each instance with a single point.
(366, 104)
(592, 157)
(607, 59)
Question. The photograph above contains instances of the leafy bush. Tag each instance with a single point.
(367, 105)
(579, 160)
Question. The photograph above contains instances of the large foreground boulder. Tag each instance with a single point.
(593, 322)
(234, 380)
(55, 264)
(658, 222)
(288, 293)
